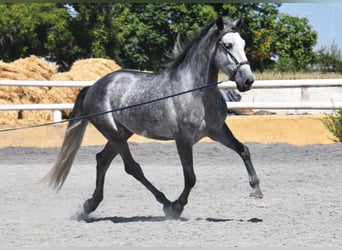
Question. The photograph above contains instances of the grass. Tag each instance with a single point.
(270, 75)
(333, 122)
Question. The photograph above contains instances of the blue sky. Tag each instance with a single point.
(325, 18)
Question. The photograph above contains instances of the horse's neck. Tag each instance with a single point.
(201, 65)
(213, 73)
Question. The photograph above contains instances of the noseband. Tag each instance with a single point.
(237, 63)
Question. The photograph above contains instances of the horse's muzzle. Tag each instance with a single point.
(246, 85)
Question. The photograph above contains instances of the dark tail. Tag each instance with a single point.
(72, 142)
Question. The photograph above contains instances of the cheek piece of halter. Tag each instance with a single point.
(237, 63)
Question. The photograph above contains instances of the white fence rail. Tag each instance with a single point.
(278, 84)
(260, 84)
(29, 83)
(328, 104)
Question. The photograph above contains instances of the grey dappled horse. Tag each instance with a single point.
(185, 119)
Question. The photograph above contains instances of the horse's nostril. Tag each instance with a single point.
(249, 82)
(247, 85)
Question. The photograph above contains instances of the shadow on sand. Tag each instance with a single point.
(117, 219)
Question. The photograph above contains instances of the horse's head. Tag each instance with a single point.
(230, 55)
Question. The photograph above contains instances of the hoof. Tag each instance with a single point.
(81, 216)
(89, 206)
(173, 210)
(256, 193)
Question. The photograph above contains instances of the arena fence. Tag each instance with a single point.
(328, 104)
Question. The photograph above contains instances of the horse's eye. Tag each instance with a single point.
(228, 45)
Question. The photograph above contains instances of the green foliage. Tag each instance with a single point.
(333, 122)
(286, 64)
(145, 36)
(151, 29)
(95, 29)
(293, 38)
(329, 59)
(40, 29)
(138, 35)
(258, 29)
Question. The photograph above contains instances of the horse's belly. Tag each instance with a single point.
(157, 135)
(153, 130)
(165, 120)
(165, 125)
(154, 124)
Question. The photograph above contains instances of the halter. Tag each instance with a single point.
(237, 63)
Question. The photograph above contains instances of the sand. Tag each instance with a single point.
(301, 184)
(297, 130)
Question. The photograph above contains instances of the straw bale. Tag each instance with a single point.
(62, 95)
(6, 67)
(11, 72)
(30, 68)
(8, 96)
(37, 69)
(7, 117)
(88, 69)
(93, 68)
(65, 76)
(36, 116)
(81, 70)
(33, 68)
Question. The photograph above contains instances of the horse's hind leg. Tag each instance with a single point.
(134, 169)
(104, 158)
(225, 136)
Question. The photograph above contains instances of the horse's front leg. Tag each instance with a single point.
(226, 137)
(175, 209)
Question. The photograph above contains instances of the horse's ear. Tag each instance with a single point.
(220, 23)
(238, 23)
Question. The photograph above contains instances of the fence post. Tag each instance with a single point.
(57, 115)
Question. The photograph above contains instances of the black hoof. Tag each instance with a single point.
(89, 206)
(173, 210)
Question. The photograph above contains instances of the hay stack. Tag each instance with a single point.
(88, 69)
(30, 68)
(23, 95)
(33, 68)
(82, 70)
(38, 69)
(7, 117)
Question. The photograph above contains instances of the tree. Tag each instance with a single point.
(329, 59)
(135, 35)
(269, 34)
(258, 25)
(146, 36)
(138, 35)
(96, 29)
(293, 40)
(164, 22)
(40, 29)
